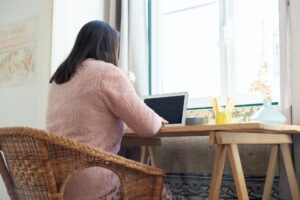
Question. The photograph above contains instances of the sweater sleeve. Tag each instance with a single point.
(120, 97)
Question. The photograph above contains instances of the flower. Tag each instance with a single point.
(262, 85)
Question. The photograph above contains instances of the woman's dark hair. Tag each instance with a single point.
(96, 40)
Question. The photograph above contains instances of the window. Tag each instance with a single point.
(214, 48)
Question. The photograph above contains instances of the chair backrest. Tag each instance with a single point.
(37, 164)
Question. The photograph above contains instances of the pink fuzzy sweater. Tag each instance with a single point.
(91, 108)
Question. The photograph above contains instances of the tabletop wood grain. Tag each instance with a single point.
(202, 130)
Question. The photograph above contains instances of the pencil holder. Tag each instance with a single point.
(223, 117)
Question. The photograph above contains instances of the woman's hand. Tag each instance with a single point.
(163, 121)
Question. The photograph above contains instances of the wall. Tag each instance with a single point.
(25, 104)
(21, 105)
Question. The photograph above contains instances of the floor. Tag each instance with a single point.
(195, 186)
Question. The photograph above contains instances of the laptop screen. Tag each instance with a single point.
(172, 108)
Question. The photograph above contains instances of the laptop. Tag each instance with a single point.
(171, 107)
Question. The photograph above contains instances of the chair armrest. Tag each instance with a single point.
(6, 179)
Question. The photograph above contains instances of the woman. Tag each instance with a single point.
(89, 99)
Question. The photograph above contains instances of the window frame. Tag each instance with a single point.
(226, 44)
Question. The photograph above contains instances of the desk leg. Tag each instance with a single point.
(237, 171)
(270, 172)
(286, 154)
(218, 168)
(151, 150)
(144, 154)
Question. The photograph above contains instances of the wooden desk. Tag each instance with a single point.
(226, 138)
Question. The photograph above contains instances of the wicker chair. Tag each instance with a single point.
(37, 164)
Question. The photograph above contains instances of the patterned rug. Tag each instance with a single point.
(192, 186)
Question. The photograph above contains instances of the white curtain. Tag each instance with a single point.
(112, 12)
(130, 17)
(295, 72)
(68, 18)
(285, 64)
(134, 42)
(285, 83)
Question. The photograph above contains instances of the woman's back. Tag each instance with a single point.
(76, 109)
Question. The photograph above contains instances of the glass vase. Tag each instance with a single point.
(267, 114)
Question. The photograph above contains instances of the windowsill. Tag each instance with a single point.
(237, 106)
